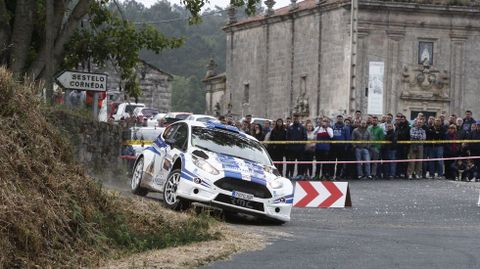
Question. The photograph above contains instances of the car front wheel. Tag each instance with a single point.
(170, 192)
(137, 179)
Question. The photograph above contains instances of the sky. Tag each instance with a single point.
(213, 3)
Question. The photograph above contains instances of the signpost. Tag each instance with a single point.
(75, 80)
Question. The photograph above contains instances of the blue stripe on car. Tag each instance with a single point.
(152, 149)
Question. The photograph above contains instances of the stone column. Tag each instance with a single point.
(358, 98)
(457, 64)
(392, 72)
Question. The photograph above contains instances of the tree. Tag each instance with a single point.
(106, 36)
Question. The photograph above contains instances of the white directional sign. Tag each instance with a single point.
(83, 81)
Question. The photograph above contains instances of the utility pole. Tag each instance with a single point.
(353, 52)
(49, 41)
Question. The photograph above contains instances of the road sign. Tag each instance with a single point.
(321, 194)
(82, 81)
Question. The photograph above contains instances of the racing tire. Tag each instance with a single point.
(136, 180)
(170, 197)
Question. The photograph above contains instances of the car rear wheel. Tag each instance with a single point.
(137, 179)
(170, 192)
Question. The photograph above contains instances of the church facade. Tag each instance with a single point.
(395, 57)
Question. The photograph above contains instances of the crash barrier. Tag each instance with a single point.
(322, 194)
(378, 161)
(372, 142)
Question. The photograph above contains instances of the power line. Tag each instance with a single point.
(178, 19)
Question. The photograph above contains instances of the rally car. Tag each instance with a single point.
(214, 164)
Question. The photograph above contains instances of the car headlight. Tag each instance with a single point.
(205, 166)
(276, 184)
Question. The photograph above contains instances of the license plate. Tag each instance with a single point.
(242, 195)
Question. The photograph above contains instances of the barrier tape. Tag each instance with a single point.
(377, 161)
(149, 142)
(372, 142)
(137, 142)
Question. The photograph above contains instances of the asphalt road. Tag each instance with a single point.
(392, 224)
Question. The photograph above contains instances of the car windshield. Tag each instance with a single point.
(130, 108)
(229, 143)
(149, 112)
(182, 116)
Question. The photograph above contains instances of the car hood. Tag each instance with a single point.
(240, 168)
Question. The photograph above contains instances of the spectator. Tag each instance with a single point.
(416, 150)
(362, 149)
(436, 132)
(309, 150)
(246, 127)
(266, 127)
(258, 132)
(358, 115)
(427, 152)
(462, 135)
(295, 132)
(222, 119)
(403, 134)
(458, 169)
(471, 171)
(277, 151)
(390, 151)
(451, 150)
(474, 148)
(377, 134)
(341, 132)
(442, 118)
(288, 122)
(468, 121)
(322, 150)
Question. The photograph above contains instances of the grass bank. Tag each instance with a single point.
(53, 214)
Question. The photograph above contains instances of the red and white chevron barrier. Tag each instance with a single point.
(321, 194)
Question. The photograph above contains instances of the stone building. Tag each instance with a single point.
(396, 57)
(156, 86)
(215, 88)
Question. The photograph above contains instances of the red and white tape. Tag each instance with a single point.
(378, 161)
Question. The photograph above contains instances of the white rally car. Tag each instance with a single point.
(213, 164)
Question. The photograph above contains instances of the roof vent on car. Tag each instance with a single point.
(216, 125)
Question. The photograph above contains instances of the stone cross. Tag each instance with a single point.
(232, 15)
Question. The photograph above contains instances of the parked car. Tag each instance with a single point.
(155, 120)
(175, 116)
(142, 114)
(201, 118)
(214, 164)
(125, 110)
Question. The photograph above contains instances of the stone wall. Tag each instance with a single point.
(96, 145)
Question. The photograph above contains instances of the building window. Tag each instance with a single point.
(246, 93)
(425, 52)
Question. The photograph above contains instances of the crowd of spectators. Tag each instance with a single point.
(371, 128)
